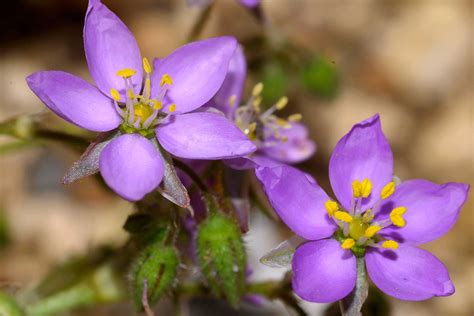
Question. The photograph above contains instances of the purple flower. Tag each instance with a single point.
(251, 4)
(278, 140)
(374, 218)
(148, 107)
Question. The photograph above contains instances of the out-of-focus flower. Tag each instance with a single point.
(374, 218)
(247, 3)
(278, 140)
(148, 107)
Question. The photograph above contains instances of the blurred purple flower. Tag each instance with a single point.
(247, 3)
(145, 104)
(374, 218)
(278, 140)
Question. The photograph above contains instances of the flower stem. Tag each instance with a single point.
(199, 24)
(352, 304)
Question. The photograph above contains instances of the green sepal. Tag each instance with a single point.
(158, 265)
(221, 256)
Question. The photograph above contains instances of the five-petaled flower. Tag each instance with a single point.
(144, 105)
(278, 140)
(374, 218)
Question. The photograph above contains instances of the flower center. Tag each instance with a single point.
(140, 112)
(263, 127)
(357, 228)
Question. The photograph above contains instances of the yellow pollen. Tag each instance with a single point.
(388, 190)
(142, 111)
(115, 94)
(390, 244)
(368, 216)
(356, 188)
(232, 100)
(295, 117)
(371, 231)
(366, 188)
(343, 216)
(396, 216)
(157, 105)
(126, 73)
(146, 65)
(348, 243)
(331, 207)
(250, 131)
(257, 89)
(172, 108)
(166, 79)
(282, 102)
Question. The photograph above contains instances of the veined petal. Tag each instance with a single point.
(110, 46)
(432, 209)
(131, 166)
(298, 201)
(408, 273)
(233, 85)
(363, 153)
(197, 70)
(75, 100)
(297, 148)
(323, 272)
(203, 135)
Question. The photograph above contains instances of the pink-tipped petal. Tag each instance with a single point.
(363, 153)
(110, 46)
(197, 70)
(203, 135)
(131, 166)
(408, 273)
(323, 272)
(75, 100)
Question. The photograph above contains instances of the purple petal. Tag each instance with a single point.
(298, 202)
(432, 209)
(197, 69)
(323, 272)
(296, 149)
(203, 135)
(363, 153)
(408, 273)
(110, 47)
(250, 3)
(255, 160)
(233, 85)
(75, 100)
(131, 166)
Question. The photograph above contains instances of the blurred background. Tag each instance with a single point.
(338, 61)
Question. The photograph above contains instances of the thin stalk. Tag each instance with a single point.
(352, 304)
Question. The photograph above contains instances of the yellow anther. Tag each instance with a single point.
(172, 108)
(130, 94)
(250, 131)
(157, 105)
(146, 65)
(371, 231)
(295, 117)
(343, 216)
(366, 188)
(390, 244)
(348, 243)
(356, 188)
(166, 79)
(388, 190)
(257, 89)
(283, 123)
(331, 207)
(368, 216)
(396, 216)
(115, 94)
(281, 103)
(256, 103)
(126, 73)
(232, 100)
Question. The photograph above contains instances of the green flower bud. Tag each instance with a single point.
(157, 265)
(9, 307)
(221, 255)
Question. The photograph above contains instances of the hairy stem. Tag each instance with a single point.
(352, 304)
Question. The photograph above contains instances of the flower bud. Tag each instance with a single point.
(221, 255)
(157, 266)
